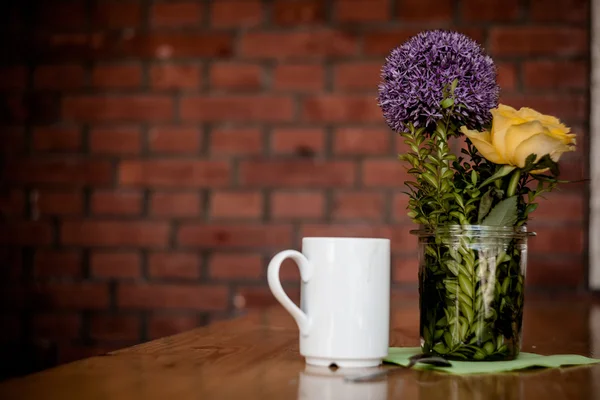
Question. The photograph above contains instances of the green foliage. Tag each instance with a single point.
(503, 214)
(450, 190)
(471, 297)
(471, 293)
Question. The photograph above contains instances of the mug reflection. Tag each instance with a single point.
(325, 384)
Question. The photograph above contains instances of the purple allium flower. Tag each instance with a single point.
(415, 74)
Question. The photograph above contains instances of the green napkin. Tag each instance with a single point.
(400, 356)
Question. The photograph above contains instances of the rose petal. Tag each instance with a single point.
(482, 141)
(540, 145)
(517, 134)
(503, 118)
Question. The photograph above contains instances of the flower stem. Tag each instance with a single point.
(512, 185)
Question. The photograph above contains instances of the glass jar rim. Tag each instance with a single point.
(512, 231)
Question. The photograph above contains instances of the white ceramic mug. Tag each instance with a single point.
(344, 312)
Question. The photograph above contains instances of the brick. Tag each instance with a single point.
(346, 230)
(364, 75)
(178, 265)
(117, 76)
(174, 173)
(166, 325)
(13, 140)
(59, 77)
(172, 296)
(299, 77)
(555, 74)
(63, 15)
(361, 10)
(559, 208)
(55, 326)
(59, 15)
(341, 108)
(116, 202)
(12, 203)
(236, 13)
(363, 141)
(400, 207)
(72, 171)
(564, 106)
(299, 12)
(260, 108)
(425, 10)
(560, 11)
(384, 173)
(30, 107)
(405, 270)
(259, 297)
(507, 76)
(297, 173)
(175, 204)
(177, 14)
(115, 233)
(234, 235)
(135, 108)
(358, 206)
(170, 45)
(557, 240)
(115, 140)
(175, 76)
(57, 263)
(538, 41)
(298, 45)
(297, 205)
(13, 77)
(300, 141)
(58, 202)
(14, 267)
(564, 272)
(115, 264)
(236, 76)
(236, 204)
(26, 233)
(114, 327)
(402, 241)
(174, 139)
(236, 141)
(490, 10)
(56, 139)
(69, 352)
(384, 41)
(70, 296)
(116, 14)
(235, 266)
(289, 271)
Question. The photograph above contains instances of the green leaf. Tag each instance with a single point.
(505, 170)
(430, 179)
(504, 214)
(446, 103)
(453, 85)
(474, 177)
(484, 205)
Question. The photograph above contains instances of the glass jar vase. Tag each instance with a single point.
(471, 283)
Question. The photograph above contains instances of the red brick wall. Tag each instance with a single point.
(156, 154)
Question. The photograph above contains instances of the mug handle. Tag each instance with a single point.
(305, 268)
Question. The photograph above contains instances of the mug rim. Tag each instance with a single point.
(340, 238)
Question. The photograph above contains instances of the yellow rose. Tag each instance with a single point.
(516, 135)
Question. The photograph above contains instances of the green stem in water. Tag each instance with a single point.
(514, 182)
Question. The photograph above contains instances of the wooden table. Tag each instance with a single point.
(256, 357)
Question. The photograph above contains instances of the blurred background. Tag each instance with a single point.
(156, 154)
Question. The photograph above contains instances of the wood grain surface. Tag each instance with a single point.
(256, 357)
